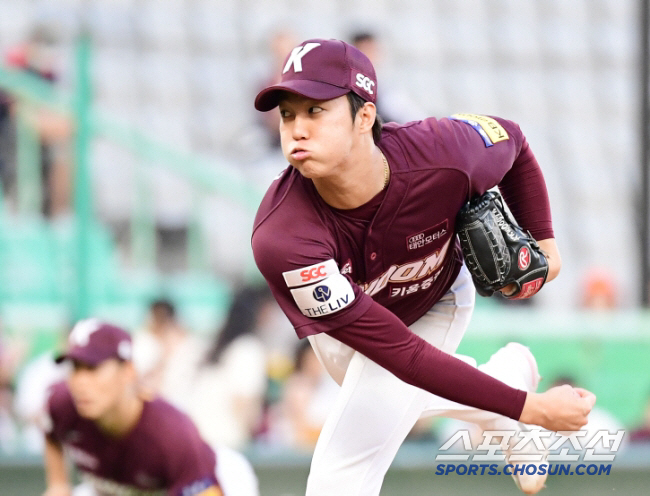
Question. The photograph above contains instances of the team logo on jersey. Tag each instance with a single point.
(426, 237)
(523, 258)
(73, 437)
(109, 487)
(83, 458)
(213, 491)
(489, 129)
(146, 480)
(408, 272)
(322, 293)
(347, 267)
(203, 487)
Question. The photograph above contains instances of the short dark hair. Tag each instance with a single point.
(164, 308)
(356, 102)
(243, 318)
(361, 37)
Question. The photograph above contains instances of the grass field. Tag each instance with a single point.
(17, 480)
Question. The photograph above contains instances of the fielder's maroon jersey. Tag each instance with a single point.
(325, 266)
(162, 455)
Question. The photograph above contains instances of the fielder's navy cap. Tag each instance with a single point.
(92, 341)
(322, 70)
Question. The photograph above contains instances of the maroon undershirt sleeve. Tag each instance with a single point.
(524, 190)
(383, 338)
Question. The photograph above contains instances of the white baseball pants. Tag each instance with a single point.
(375, 410)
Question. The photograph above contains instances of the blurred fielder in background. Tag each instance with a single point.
(120, 442)
(356, 240)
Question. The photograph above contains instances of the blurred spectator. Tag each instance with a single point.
(38, 56)
(599, 291)
(8, 428)
(228, 387)
(7, 146)
(641, 433)
(32, 383)
(31, 393)
(280, 44)
(258, 144)
(393, 104)
(11, 355)
(307, 397)
(166, 355)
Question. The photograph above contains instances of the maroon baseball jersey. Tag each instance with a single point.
(325, 266)
(162, 455)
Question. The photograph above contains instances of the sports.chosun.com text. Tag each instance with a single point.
(520, 469)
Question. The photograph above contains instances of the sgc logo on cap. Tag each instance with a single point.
(365, 83)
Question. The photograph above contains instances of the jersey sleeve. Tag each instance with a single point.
(191, 464)
(491, 151)
(482, 147)
(59, 412)
(383, 338)
(306, 281)
(524, 190)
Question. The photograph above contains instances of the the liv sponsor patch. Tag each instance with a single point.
(325, 297)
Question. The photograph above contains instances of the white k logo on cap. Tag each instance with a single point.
(296, 56)
(80, 335)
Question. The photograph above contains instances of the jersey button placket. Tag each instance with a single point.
(373, 256)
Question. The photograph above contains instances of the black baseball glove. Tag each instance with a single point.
(497, 251)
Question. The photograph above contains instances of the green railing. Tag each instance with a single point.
(83, 206)
(206, 177)
(203, 174)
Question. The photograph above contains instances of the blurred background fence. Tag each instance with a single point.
(132, 160)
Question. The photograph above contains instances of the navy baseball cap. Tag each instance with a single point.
(322, 70)
(92, 341)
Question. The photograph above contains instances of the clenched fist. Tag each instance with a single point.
(562, 408)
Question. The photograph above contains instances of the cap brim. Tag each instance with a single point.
(80, 356)
(269, 98)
